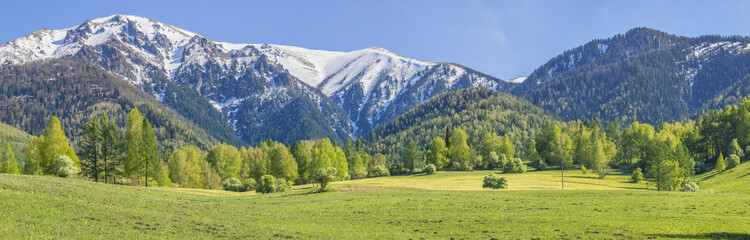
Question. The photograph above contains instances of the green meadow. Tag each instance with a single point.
(441, 206)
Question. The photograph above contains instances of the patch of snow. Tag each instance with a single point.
(517, 80)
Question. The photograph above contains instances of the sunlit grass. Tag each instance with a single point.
(441, 206)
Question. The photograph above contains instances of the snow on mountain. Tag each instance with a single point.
(518, 79)
(372, 85)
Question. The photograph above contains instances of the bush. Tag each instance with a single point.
(63, 167)
(379, 171)
(249, 184)
(584, 171)
(637, 176)
(733, 161)
(494, 181)
(540, 165)
(282, 185)
(267, 184)
(514, 165)
(430, 169)
(325, 176)
(233, 184)
(690, 187)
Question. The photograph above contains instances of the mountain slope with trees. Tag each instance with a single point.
(475, 110)
(76, 91)
(643, 75)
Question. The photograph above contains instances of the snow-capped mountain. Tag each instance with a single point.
(249, 82)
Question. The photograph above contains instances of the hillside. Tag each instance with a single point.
(733, 180)
(475, 110)
(17, 139)
(76, 91)
(642, 75)
(389, 207)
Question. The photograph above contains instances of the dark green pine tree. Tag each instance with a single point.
(90, 148)
(410, 155)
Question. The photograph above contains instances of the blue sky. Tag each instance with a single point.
(502, 38)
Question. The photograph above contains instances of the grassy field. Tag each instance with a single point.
(442, 206)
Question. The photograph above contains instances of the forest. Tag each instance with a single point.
(669, 155)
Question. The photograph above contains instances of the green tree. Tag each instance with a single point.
(734, 148)
(671, 176)
(226, 160)
(436, 154)
(111, 148)
(410, 155)
(302, 152)
(90, 149)
(45, 149)
(637, 176)
(186, 167)
(283, 164)
(325, 176)
(149, 152)
(134, 162)
(459, 152)
(8, 164)
(720, 165)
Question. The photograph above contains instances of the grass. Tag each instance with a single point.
(442, 206)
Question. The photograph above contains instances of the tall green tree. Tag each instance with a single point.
(410, 155)
(111, 148)
(226, 160)
(302, 152)
(134, 161)
(459, 152)
(437, 154)
(8, 163)
(90, 148)
(149, 152)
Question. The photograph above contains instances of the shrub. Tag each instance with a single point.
(514, 165)
(430, 169)
(494, 181)
(282, 185)
(540, 165)
(266, 184)
(733, 161)
(584, 171)
(379, 171)
(233, 184)
(249, 184)
(325, 176)
(63, 166)
(690, 187)
(637, 176)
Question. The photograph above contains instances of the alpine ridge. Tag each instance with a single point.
(249, 84)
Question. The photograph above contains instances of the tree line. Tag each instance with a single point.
(132, 155)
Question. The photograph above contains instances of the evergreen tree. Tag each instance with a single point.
(90, 149)
(637, 176)
(720, 165)
(8, 163)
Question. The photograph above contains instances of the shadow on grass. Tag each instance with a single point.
(716, 235)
